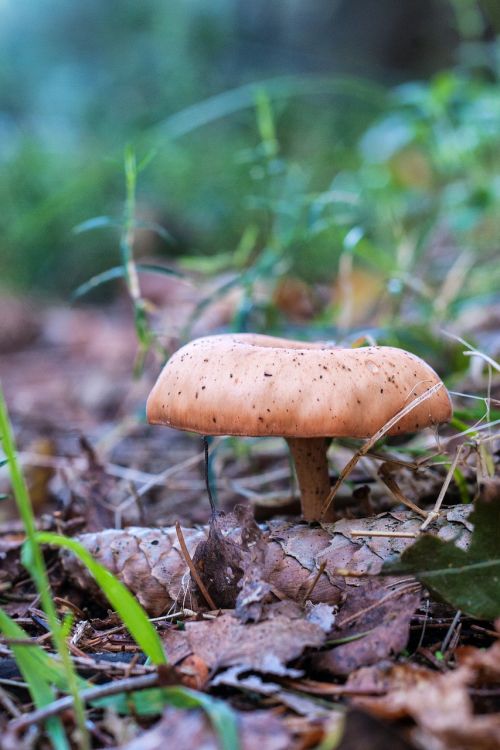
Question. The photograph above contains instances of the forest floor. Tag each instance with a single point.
(307, 644)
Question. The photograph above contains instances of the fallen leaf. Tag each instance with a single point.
(364, 732)
(259, 730)
(265, 647)
(439, 703)
(469, 579)
(381, 615)
(299, 703)
(231, 562)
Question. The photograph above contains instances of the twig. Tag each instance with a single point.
(192, 567)
(486, 631)
(391, 534)
(388, 458)
(371, 442)
(424, 625)
(451, 630)
(126, 685)
(327, 688)
(346, 573)
(13, 683)
(157, 479)
(9, 704)
(315, 580)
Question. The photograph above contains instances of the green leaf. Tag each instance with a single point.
(97, 222)
(467, 579)
(157, 268)
(153, 226)
(38, 660)
(117, 272)
(118, 595)
(147, 159)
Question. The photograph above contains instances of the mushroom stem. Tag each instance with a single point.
(311, 466)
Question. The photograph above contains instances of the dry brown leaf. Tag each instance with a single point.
(439, 703)
(265, 647)
(486, 663)
(364, 732)
(231, 563)
(381, 611)
(300, 704)
(259, 730)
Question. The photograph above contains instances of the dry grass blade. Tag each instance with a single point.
(192, 567)
(392, 485)
(371, 442)
(315, 580)
(472, 351)
(390, 534)
(435, 511)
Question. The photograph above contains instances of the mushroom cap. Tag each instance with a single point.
(255, 385)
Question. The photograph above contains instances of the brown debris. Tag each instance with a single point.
(440, 704)
(19, 322)
(265, 647)
(150, 562)
(259, 730)
(380, 614)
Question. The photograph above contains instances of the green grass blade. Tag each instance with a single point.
(38, 679)
(97, 222)
(127, 606)
(156, 268)
(40, 661)
(35, 564)
(153, 226)
(229, 102)
(117, 272)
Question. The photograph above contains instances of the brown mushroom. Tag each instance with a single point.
(254, 385)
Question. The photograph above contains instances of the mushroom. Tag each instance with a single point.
(256, 385)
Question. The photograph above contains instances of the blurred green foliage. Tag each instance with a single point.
(335, 174)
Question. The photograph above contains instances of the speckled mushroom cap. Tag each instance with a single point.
(248, 384)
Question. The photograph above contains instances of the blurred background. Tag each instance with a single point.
(337, 160)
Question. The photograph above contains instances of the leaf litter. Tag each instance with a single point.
(308, 637)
